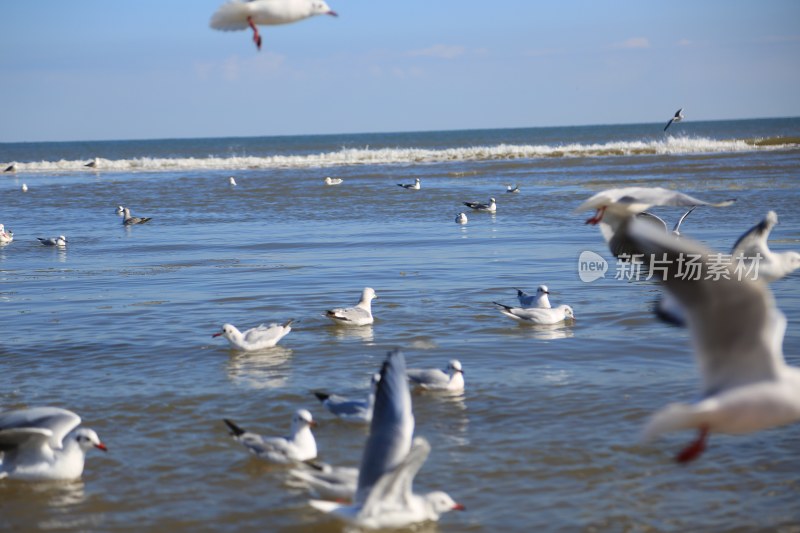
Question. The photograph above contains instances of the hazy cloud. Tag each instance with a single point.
(441, 51)
(633, 43)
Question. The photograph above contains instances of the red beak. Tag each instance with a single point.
(216, 335)
(459, 507)
(332, 13)
(101, 446)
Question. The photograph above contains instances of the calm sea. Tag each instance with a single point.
(118, 325)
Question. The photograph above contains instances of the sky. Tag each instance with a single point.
(154, 69)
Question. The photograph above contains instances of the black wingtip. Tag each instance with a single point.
(236, 431)
(506, 307)
(321, 396)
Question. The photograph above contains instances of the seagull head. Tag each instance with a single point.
(302, 419)
(542, 289)
(454, 365)
(319, 7)
(368, 294)
(568, 313)
(441, 502)
(228, 330)
(88, 439)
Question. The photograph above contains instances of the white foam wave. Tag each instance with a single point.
(386, 156)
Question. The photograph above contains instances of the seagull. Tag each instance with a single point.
(737, 333)
(461, 218)
(491, 207)
(512, 189)
(450, 379)
(360, 315)
(616, 207)
(24, 187)
(540, 299)
(94, 163)
(128, 220)
(11, 168)
(538, 315)
(44, 443)
(753, 246)
(676, 118)
(324, 481)
(237, 15)
(258, 338)
(54, 241)
(297, 447)
(359, 411)
(121, 210)
(676, 231)
(410, 186)
(333, 181)
(232, 181)
(5, 236)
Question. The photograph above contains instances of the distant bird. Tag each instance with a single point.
(11, 168)
(540, 299)
(360, 315)
(128, 220)
(299, 446)
(333, 181)
(461, 218)
(121, 210)
(232, 181)
(5, 236)
(450, 379)
(53, 241)
(94, 163)
(538, 315)
(359, 411)
(237, 15)
(490, 207)
(24, 188)
(677, 118)
(512, 189)
(752, 247)
(676, 231)
(253, 339)
(410, 186)
(44, 443)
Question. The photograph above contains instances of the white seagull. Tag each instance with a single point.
(24, 187)
(128, 220)
(121, 210)
(5, 236)
(94, 163)
(299, 446)
(538, 315)
(360, 315)
(384, 497)
(53, 241)
(359, 411)
(753, 246)
(410, 186)
(737, 333)
(512, 188)
(333, 181)
(676, 118)
(450, 379)
(540, 299)
(491, 207)
(44, 443)
(232, 181)
(257, 338)
(237, 15)
(461, 218)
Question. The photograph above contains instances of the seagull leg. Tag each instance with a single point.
(695, 448)
(256, 35)
(597, 216)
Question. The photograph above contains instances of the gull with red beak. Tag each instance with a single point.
(257, 338)
(237, 15)
(44, 444)
(298, 446)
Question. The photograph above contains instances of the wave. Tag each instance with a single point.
(389, 156)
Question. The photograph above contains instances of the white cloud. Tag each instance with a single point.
(441, 51)
(633, 43)
(235, 68)
(685, 42)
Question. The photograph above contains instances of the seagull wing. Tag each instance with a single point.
(754, 240)
(54, 420)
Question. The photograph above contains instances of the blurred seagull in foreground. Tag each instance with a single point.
(257, 338)
(676, 118)
(540, 299)
(737, 334)
(236, 15)
(360, 315)
(299, 446)
(44, 443)
(753, 246)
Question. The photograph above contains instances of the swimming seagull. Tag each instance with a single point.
(491, 207)
(410, 186)
(232, 181)
(94, 163)
(360, 315)
(753, 246)
(5, 236)
(540, 299)
(538, 315)
(299, 446)
(616, 207)
(11, 168)
(128, 220)
(44, 443)
(359, 411)
(236, 15)
(737, 333)
(461, 218)
(676, 118)
(333, 181)
(24, 188)
(450, 379)
(121, 210)
(53, 241)
(257, 338)
(512, 189)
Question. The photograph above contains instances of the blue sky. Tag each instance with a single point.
(143, 69)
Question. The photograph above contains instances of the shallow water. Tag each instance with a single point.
(117, 327)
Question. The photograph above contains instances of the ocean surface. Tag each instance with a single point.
(117, 326)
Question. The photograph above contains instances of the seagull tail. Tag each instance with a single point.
(674, 417)
(231, 16)
(236, 431)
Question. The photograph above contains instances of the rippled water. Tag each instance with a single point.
(118, 327)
